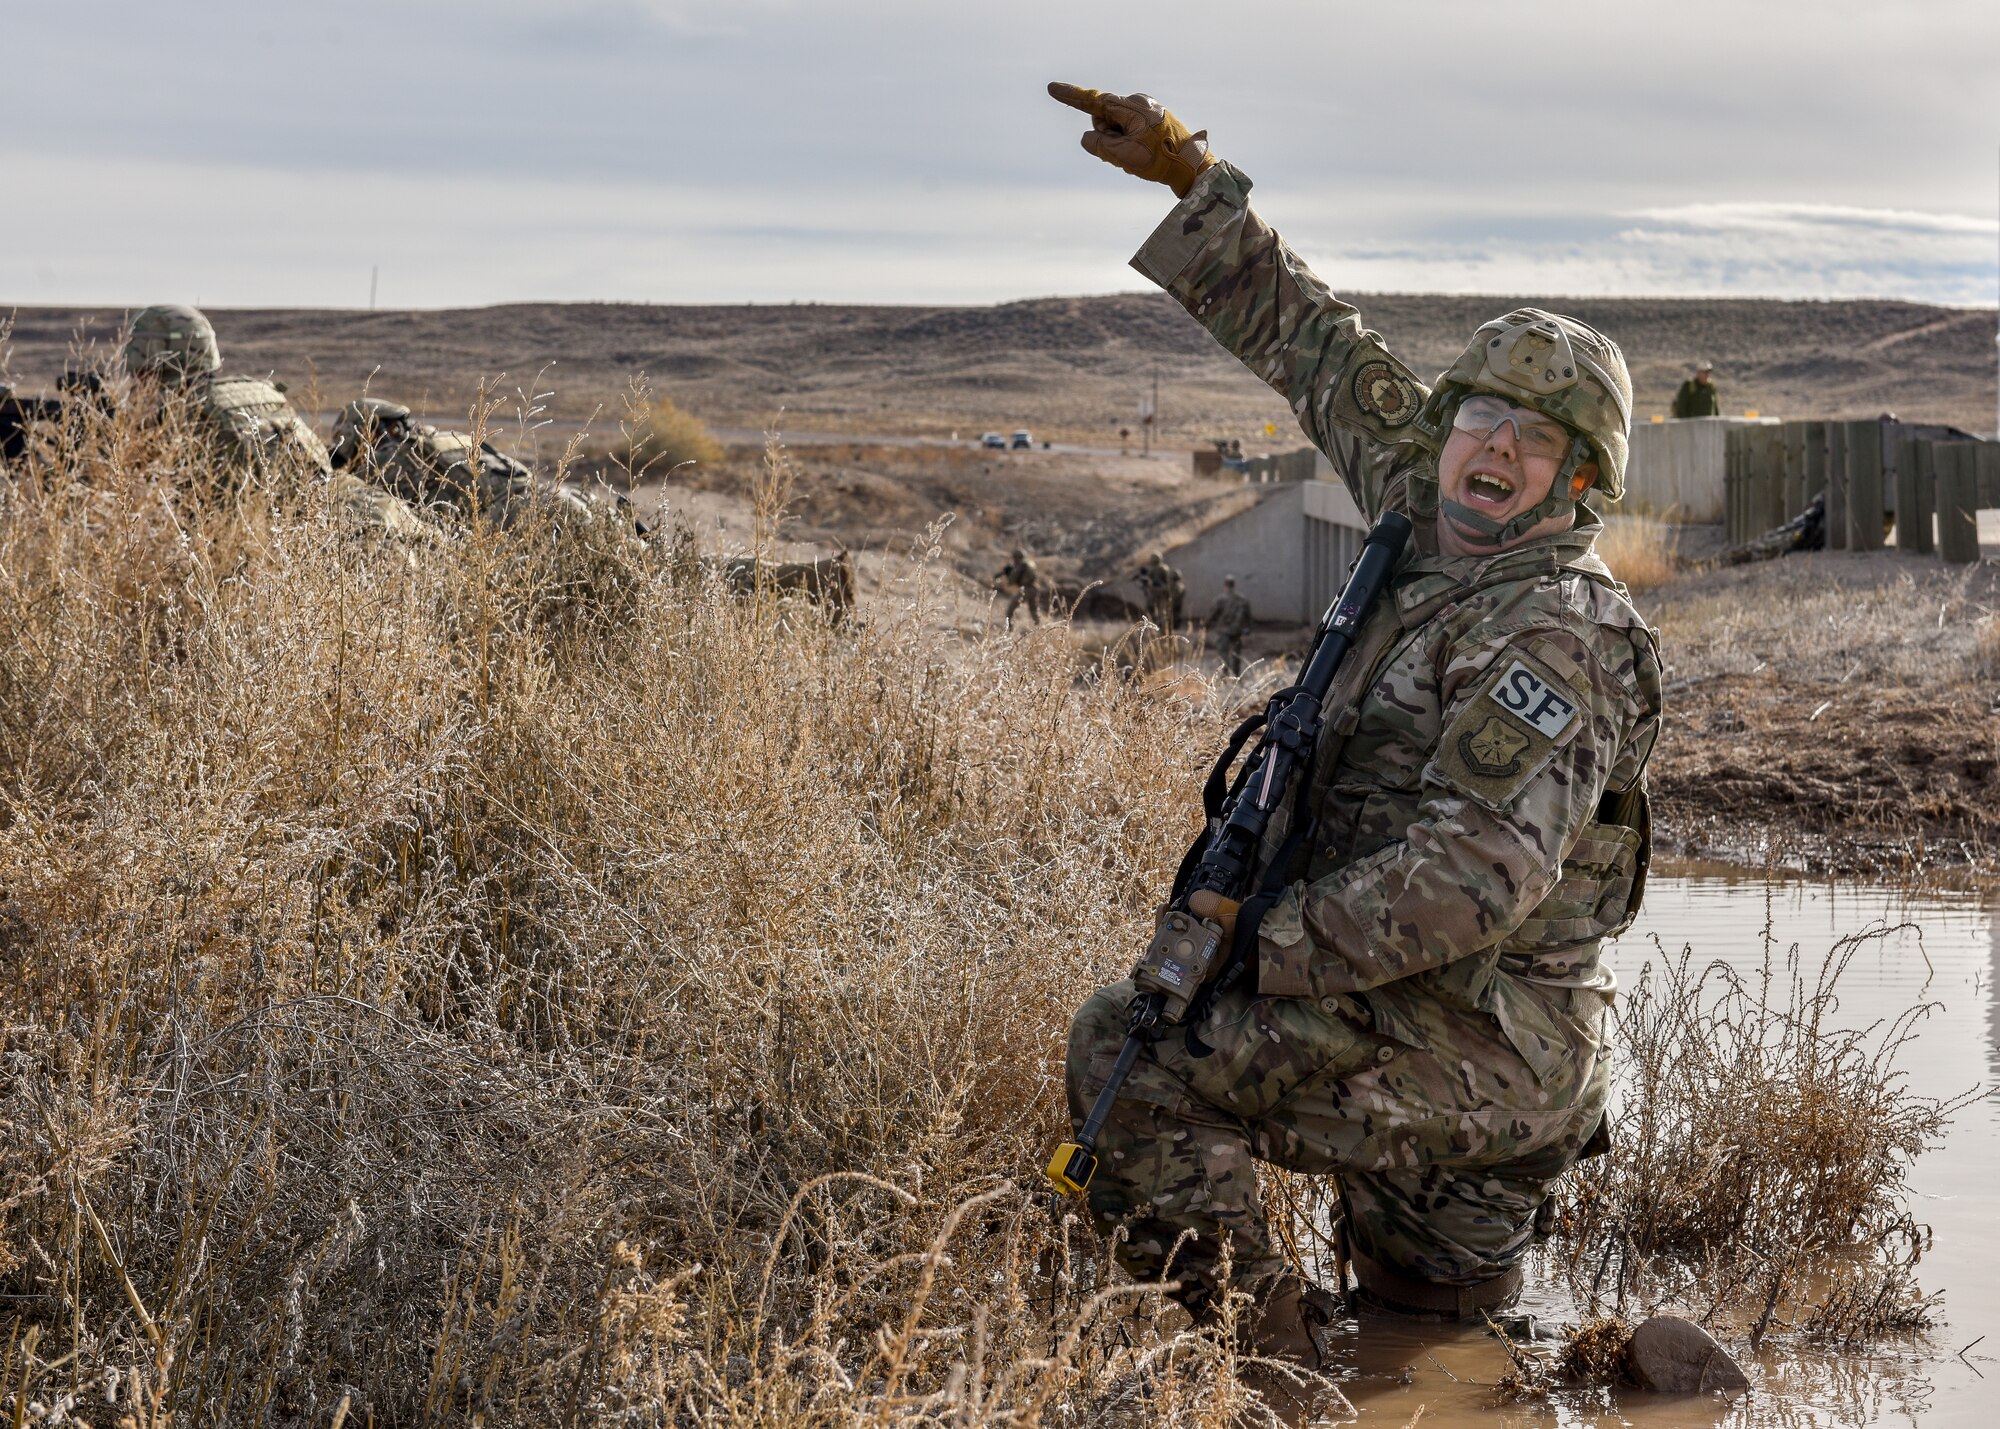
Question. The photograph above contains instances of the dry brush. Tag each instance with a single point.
(515, 980)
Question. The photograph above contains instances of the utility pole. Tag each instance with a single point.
(374, 273)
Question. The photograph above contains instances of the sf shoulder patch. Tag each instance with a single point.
(1521, 691)
(1385, 394)
(1508, 732)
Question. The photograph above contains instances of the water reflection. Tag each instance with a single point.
(1992, 991)
(1941, 947)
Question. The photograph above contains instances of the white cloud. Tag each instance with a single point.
(780, 149)
(1809, 217)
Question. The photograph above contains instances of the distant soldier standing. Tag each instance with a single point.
(1228, 623)
(250, 426)
(1164, 591)
(1698, 397)
(1426, 1022)
(1021, 583)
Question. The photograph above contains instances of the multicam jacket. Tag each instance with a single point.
(253, 429)
(1230, 615)
(1478, 789)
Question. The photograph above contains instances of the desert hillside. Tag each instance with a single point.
(1069, 367)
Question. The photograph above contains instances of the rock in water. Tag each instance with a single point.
(1676, 1356)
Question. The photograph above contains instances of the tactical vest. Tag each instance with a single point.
(1367, 788)
(434, 468)
(254, 427)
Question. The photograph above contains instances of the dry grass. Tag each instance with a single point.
(525, 985)
(472, 991)
(1830, 617)
(1759, 1156)
(1986, 646)
(1642, 553)
(664, 437)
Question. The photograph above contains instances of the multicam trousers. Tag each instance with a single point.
(1444, 1152)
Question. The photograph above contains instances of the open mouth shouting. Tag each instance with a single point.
(1490, 490)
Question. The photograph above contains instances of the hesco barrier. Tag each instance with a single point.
(1878, 475)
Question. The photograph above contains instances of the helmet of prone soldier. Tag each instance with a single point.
(173, 342)
(364, 422)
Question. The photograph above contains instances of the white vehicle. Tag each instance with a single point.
(1023, 442)
(994, 441)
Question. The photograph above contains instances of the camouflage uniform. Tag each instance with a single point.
(251, 428)
(1021, 581)
(1164, 590)
(451, 473)
(1428, 1015)
(1228, 623)
(1697, 399)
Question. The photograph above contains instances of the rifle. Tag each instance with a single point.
(1180, 976)
(17, 414)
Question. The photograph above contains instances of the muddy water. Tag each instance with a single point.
(1950, 955)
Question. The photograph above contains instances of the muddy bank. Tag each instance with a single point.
(1832, 712)
(1838, 780)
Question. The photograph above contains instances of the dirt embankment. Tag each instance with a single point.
(1835, 712)
(1070, 367)
(1087, 520)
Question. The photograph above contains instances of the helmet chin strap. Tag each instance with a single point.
(1477, 529)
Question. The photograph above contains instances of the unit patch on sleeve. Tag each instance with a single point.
(1507, 733)
(1521, 691)
(1385, 394)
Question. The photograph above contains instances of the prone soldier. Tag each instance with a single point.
(250, 427)
(454, 474)
(1426, 1015)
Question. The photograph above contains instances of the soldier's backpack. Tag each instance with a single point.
(254, 428)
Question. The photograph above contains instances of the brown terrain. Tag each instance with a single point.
(1828, 711)
(1071, 368)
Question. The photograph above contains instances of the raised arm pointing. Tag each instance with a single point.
(1140, 135)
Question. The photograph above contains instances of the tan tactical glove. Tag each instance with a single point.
(1138, 134)
(1216, 909)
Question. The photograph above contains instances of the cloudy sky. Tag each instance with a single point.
(245, 152)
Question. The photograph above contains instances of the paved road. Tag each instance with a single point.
(755, 437)
(809, 439)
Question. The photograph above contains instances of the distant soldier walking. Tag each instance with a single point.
(1020, 582)
(1164, 591)
(1698, 397)
(1228, 622)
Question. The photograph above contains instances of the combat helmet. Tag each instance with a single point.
(1560, 367)
(173, 341)
(362, 423)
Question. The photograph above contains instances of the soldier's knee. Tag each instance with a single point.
(1097, 1031)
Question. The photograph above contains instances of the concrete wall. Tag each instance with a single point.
(1289, 552)
(1676, 468)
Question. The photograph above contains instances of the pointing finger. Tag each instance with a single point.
(1090, 101)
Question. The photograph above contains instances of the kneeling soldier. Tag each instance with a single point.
(1427, 1019)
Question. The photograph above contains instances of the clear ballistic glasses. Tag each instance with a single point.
(1481, 416)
